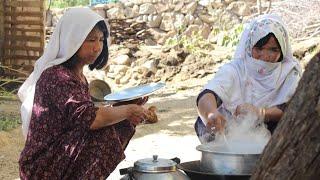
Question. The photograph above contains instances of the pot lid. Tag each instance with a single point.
(155, 165)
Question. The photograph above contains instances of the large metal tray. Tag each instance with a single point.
(134, 92)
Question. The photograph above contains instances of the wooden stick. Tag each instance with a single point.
(9, 98)
(10, 81)
(15, 70)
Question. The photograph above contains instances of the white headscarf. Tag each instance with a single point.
(248, 80)
(69, 34)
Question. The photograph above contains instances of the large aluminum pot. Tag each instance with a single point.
(226, 162)
(154, 169)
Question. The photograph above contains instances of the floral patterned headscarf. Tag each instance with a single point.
(263, 84)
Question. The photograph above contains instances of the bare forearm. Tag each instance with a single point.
(207, 104)
(273, 114)
(106, 116)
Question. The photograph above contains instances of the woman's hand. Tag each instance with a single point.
(216, 122)
(211, 117)
(135, 113)
(109, 115)
(245, 109)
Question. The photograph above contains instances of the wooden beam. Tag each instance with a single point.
(13, 57)
(22, 38)
(33, 14)
(26, 22)
(23, 4)
(26, 48)
(7, 29)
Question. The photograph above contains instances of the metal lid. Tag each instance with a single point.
(155, 165)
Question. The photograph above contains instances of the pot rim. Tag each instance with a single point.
(186, 166)
(199, 148)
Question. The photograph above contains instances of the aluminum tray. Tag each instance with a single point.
(134, 92)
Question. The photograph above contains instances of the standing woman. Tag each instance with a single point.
(67, 136)
(260, 79)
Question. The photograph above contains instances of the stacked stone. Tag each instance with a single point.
(124, 31)
(166, 18)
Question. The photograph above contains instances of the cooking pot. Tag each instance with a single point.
(219, 160)
(154, 168)
(194, 171)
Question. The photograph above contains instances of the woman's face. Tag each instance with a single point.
(91, 47)
(270, 52)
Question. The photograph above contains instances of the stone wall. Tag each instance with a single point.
(165, 18)
(152, 22)
(136, 23)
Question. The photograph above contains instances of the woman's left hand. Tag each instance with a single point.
(244, 109)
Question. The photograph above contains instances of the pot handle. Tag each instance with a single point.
(128, 171)
(124, 171)
(176, 159)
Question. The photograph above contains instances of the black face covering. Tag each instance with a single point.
(102, 59)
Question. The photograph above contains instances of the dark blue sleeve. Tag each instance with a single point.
(203, 134)
(218, 99)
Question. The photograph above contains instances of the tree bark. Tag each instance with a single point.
(293, 151)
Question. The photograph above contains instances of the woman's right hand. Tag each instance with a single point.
(135, 113)
(109, 115)
(216, 122)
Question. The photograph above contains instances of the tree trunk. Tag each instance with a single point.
(294, 149)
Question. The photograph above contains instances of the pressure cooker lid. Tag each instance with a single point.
(155, 165)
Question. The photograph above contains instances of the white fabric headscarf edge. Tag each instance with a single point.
(67, 37)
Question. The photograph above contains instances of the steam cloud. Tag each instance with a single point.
(244, 134)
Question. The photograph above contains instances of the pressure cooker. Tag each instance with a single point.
(154, 168)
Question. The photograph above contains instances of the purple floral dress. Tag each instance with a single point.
(60, 144)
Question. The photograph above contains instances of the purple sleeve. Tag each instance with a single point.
(73, 100)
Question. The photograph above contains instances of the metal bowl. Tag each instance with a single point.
(226, 163)
(98, 89)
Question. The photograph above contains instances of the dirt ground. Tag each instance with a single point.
(173, 136)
